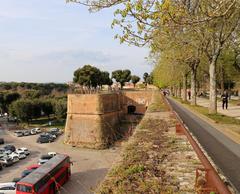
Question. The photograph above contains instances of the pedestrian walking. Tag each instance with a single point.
(225, 97)
(189, 95)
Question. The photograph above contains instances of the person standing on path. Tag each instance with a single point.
(225, 99)
(189, 95)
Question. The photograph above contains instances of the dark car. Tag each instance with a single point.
(48, 135)
(44, 159)
(26, 172)
(15, 180)
(10, 147)
(44, 139)
(6, 161)
(56, 131)
(1, 141)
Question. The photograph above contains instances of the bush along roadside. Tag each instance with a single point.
(154, 160)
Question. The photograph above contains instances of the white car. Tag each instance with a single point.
(25, 150)
(8, 188)
(52, 154)
(38, 130)
(33, 131)
(19, 154)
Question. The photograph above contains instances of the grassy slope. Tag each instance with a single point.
(141, 169)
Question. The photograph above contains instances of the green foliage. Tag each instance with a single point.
(135, 79)
(87, 76)
(60, 108)
(105, 79)
(25, 110)
(122, 76)
(47, 107)
(91, 76)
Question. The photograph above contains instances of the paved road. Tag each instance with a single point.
(224, 152)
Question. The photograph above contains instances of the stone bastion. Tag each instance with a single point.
(93, 119)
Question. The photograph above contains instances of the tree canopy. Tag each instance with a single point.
(122, 76)
(135, 79)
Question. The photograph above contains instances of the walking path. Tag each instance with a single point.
(232, 111)
(224, 152)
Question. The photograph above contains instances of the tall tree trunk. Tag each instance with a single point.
(185, 87)
(193, 85)
(213, 90)
(180, 90)
(222, 78)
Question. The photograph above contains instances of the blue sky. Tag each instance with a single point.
(46, 40)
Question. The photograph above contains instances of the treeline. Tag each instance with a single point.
(46, 87)
(26, 109)
(91, 76)
(28, 101)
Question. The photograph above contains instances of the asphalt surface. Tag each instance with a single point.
(88, 170)
(224, 152)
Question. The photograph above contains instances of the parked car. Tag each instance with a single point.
(33, 131)
(38, 130)
(15, 180)
(44, 159)
(1, 141)
(2, 152)
(56, 131)
(50, 136)
(10, 147)
(8, 188)
(34, 166)
(25, 150)
(44, 139)
(52, 154)
(26, 132)
(26, 172)
(18, 133)
(14, 158)
(6, 161)
(20, 154)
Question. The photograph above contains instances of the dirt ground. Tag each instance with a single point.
(88, 170)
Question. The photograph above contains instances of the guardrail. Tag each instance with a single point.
(213, 181)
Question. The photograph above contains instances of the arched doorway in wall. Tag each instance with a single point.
(131, 109)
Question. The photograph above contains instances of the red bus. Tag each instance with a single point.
(48, 178)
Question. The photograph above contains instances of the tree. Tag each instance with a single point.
(135, 79)
(105, 79)
(60, 108)
(47, 107)
(25, 110)
(145, 77)
(88, 75)
(122, 76)
(9, 98)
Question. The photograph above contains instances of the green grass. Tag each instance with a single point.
(235, 102)
(139, 170)
(218, 118)
(44, 122)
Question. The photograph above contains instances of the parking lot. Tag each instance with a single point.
(89, 166)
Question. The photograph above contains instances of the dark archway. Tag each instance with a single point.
(131, 109)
